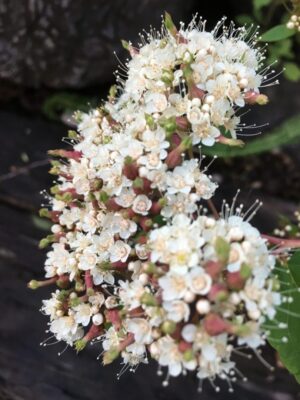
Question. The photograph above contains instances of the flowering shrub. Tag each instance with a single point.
(138, 265)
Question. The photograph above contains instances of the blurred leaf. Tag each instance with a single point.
(281, 49)
(294, 267)
(258, 4)
(278, 32)
(57, 104)
(289, 314)
(292, 71)
(41, 223)
(244, 19)
(288, 132)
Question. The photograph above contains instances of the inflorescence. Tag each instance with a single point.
(139, 267)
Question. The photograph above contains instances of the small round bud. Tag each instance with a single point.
(254, 314)
(235, 298)
(168, 327)
(97, 319)
(196, 102)
(290, 25)
(202, 53)
(205, 108)
(59, 313)
(154, 350)
(209, 99)
(294, 18)
(56, 228)
(243, 83)
(189, 297)
(203, 306)
(143, 278)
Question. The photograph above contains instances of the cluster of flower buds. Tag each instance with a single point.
(135, 265)
(294, 21)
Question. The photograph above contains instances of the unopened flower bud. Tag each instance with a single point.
(189, 297)
(218, 292)
(168, 327)
(215, 325)
(203, 306)
(252, 97)
(110, 355)
(98, 319)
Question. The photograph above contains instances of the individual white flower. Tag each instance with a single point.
(90, 222)
(114, 180)
(119, 251)
(70, 216)
(130, 293)
(111, 339)
(82, 314)
(155, 102)
(58, 258)
(204, 187)
(141, 204)
(97, 299)
(170, 356)
(101, 275)
(87, 260)
(123, 226)
(174, 286)
(178, 102)
(65, 328)
(189, 332)
(177, 310)
(132, 148)
(179, 203)
(181, 179)
(199, 281)
(125, 198)
(204, 133)
(253, 338)
(236, 257)
(142, 251)
(140, 328)
(154, 141)
(153, 160)
(51, 306)
(89, 125)
(195, 115)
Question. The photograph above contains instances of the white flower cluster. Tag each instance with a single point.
(294, 21)
(205, 288)
(135, 264)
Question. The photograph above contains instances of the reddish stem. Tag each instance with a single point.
(88, 280)
(283, 243)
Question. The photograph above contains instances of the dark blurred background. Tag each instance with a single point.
(56, 56)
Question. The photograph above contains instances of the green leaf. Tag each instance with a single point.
(58, 103)
(294, 267)
(222, 249)
(292, 71)
(288, 132)
(41, 223)
(244, 19)
(288, 314)
(276, 33)
(258, 4)
(281, 49)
